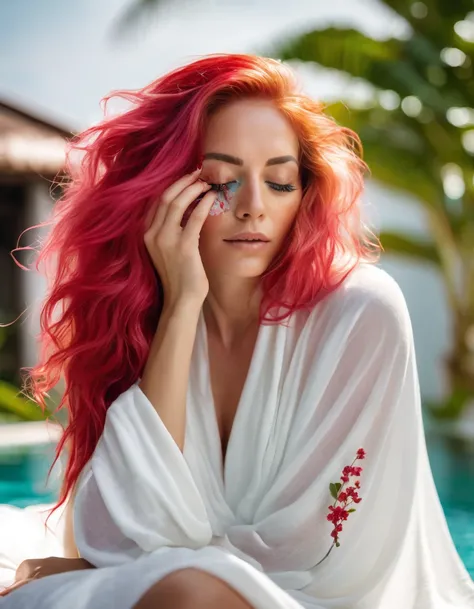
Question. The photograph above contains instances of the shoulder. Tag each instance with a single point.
(369, 302)
(372, 288)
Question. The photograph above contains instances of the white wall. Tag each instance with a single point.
(38, 206)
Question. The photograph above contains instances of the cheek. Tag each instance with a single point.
(286, 215)
(212, 233)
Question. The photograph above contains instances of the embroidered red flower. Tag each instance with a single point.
(336, 514)
(345, 497)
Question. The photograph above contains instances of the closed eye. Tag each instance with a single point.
(274, 185)
(282, 187)
(221, 187)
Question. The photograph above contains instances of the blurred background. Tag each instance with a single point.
(399, 72)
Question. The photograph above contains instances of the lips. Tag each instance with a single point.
(244, 245)
(250, 237)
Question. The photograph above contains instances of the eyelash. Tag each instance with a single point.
(277, 187)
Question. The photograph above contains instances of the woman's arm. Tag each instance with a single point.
(70, 549)
(139, 487)
(166, 373)
(36, 568)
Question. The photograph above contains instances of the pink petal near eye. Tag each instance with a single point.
(222, 201)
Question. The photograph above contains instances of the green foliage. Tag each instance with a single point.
(409, 146)
(334, 489)
(411, 142)
(395, 243)
(13, 406)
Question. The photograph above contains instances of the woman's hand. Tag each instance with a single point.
(175, 250)
(36, 568)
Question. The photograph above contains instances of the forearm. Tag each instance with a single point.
(70, 549)
(166, 373)
(35, 568)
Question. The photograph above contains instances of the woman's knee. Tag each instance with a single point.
(191, 589)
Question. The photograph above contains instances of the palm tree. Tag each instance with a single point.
(418, 137)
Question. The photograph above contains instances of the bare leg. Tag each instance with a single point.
(191, 589)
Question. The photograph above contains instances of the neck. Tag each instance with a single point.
(232, 308)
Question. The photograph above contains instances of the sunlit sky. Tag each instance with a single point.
(59, 58)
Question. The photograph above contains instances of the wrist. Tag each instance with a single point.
(183, 306)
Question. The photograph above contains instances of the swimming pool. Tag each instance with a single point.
(453, 472)
(23, 473)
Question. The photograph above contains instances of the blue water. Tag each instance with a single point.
(23, 474)
(453, 472)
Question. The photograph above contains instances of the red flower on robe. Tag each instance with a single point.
(345, 497)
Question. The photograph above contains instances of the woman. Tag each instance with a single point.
(217, 387)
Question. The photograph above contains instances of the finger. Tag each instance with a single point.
(15, 586)
(157, 212)
(176, 209)
(199, 214)
(177, 187)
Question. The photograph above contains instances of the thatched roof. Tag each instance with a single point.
(29, 144)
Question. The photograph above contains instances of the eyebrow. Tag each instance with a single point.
(227, 158)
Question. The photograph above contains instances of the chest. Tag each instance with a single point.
(228, 372)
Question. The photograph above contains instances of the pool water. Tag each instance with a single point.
(453, 472)
(23, 475)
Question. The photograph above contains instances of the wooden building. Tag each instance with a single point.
(32, 155)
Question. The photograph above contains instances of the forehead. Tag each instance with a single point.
(250, 128)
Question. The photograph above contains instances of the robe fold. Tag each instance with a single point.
(327, 382)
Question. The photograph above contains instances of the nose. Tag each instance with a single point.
(249, 200)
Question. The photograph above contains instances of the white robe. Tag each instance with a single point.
(334, 380)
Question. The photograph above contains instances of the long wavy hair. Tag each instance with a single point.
(104, 296)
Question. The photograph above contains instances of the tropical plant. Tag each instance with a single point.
(13, 405)
(418, 135)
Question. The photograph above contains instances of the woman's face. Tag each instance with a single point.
(252, 148)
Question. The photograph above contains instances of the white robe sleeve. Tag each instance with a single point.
(352, 383)
(137, 494)
(348, 380)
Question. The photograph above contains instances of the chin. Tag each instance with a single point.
(246, 270)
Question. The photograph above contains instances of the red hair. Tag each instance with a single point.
(104, 298)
